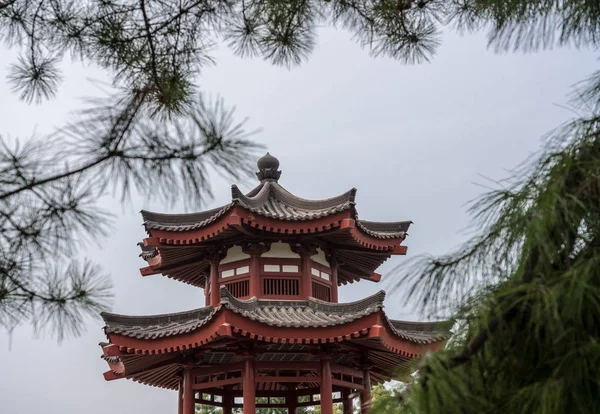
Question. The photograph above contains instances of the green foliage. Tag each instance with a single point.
(157, 134)
(525, 290)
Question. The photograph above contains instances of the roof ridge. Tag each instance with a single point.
(229, 301)
(444, 325)
(375, 300)
(384, 229)
(148, 215)
(260, 197)
(348, 196)
(182, 221)
(113, 317)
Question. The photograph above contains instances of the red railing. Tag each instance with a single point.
(278, 286)
(321, 291)
(239, 288)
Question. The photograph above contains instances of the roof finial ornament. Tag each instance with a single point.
(268, 168)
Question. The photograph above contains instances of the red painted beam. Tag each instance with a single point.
(148, 271)
(151, 242)
(110, 376)
(271, 378)
(400, 250)
(111, 350)
(218, 383)
(375, 277)
(346, 384)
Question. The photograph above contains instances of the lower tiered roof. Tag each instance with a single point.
(150, 349)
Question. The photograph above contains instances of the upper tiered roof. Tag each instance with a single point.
(269, 199)
(270, 211)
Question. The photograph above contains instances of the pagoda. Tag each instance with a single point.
(272, 333)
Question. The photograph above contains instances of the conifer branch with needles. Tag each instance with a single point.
(158, 135)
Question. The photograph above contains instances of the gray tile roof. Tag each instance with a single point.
(157, 326)
(280, 313)
(270, 199)
(384, 230)
(182, 222)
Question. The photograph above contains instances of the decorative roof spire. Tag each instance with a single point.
(268, 168)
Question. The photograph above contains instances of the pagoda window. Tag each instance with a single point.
(319, 273)
(228, 273)
(290, 269)
(272, 268)
(238, 268)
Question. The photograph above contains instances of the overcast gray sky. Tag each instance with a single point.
(414, 140)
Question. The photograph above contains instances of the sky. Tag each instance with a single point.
(418, 142)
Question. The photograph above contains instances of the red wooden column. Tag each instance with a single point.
(365, 395)
(227, 400)
(255, 290)
(180, 397)
(326, 386)
(249, 387)
(306, 281)
(189, 400)
(334, 280)
(255, 249)
(291, 400)
(207, 294)
(215, 295)
(347, 403)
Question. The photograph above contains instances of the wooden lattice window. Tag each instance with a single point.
(281, 287)
(239, 289)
